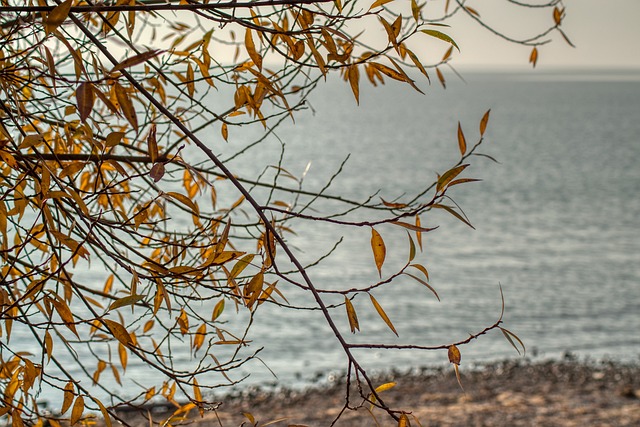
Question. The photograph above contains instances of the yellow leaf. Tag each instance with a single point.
(251, 49)
(121, 302)
(184, 200)
(65, 314)
(197, 394)
(379, 249)
(105, 413)
(484, 121)
(118, 331)
(48, 344)
(78, 409)
(415, 10)
(448, 176)
(462, 142)
(183, 322)
(68, 397)
(108, 284)
(384, 317)
(454, 355)
(57, 16)
(351, 315)
(124, 356)
(440, 35)
(217, 310)
(403, 421)
(225, 131)
(385, 387)
(31, 141)
(379, 3)
(199, 337)
(191, 85)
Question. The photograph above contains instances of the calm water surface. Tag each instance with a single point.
(557, 222)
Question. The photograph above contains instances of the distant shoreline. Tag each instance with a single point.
(509, 393)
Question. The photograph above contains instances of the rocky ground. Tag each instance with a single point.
(564, 393)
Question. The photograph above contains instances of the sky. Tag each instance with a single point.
(606, 34)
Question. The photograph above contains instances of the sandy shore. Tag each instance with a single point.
(514, 393)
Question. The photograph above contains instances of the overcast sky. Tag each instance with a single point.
(606, 34)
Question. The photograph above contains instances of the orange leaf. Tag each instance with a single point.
(533, 58)
(225, 131)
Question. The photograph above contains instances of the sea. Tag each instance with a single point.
(556, 222)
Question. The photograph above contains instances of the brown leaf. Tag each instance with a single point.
(57, 16)
(441, 78)
(354, 78)
(136, 59)
(85, 99)
(157, 172)
(126, 105)
(152, 144)
(351, 315)
(462, 142)
(484, 122)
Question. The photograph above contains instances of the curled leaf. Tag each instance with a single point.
(351, 315)
(454, 354)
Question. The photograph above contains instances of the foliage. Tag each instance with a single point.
(125, 235)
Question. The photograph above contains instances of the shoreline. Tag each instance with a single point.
(519, 392)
